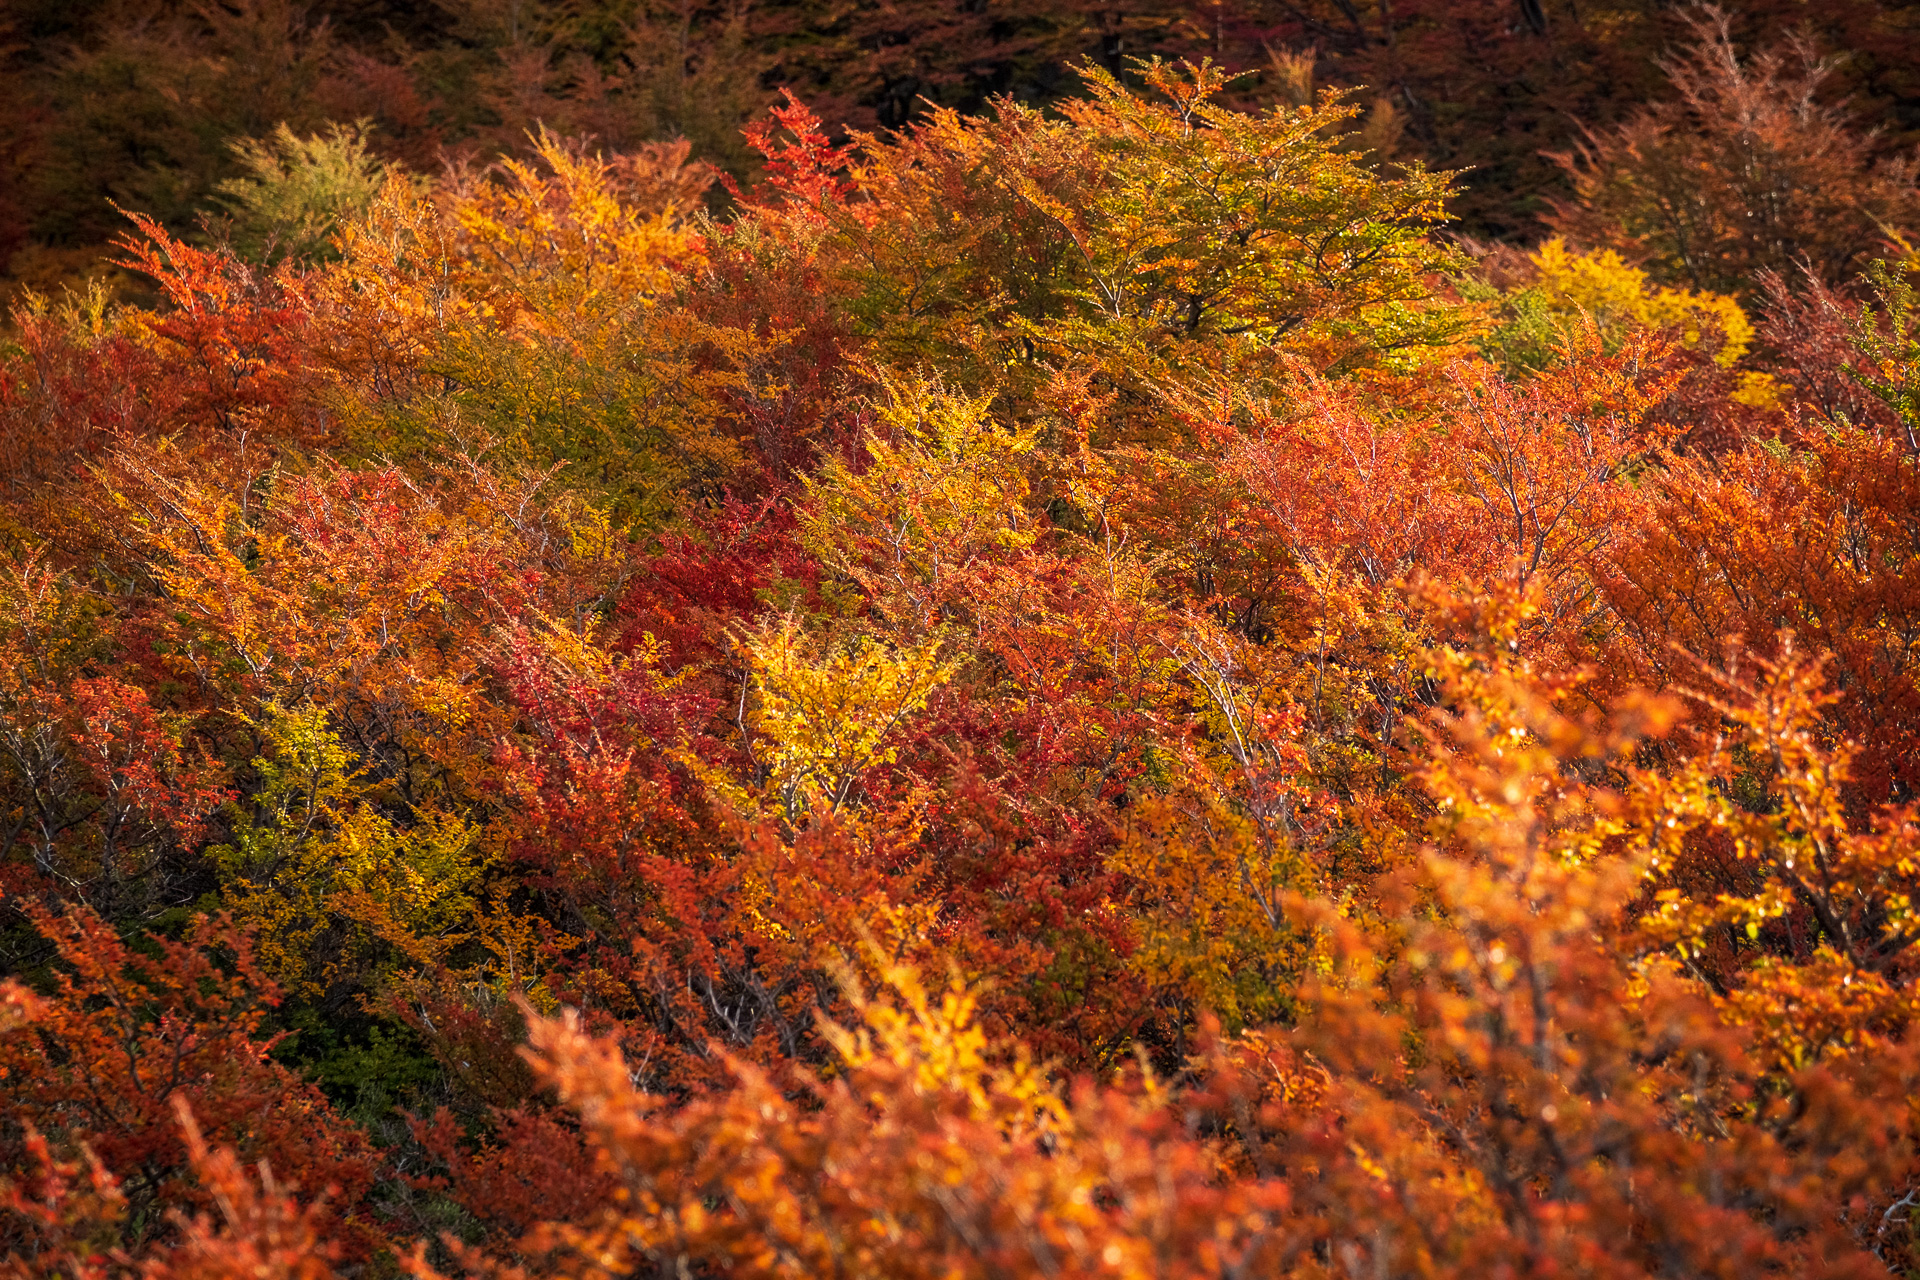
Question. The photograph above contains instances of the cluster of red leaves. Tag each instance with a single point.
(129, 1040)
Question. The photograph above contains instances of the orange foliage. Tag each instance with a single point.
(1023, 702)
(126, 1038)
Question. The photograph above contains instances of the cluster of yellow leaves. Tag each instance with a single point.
(324, 877)
(943, 493)
(824, 717)
(1615, 294)
(933, 1044)
(562, 243)
(1799, 853)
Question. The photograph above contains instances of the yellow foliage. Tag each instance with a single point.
(1759, 391)
(325, 877)
(565, 240)
(1209, 916)
(549, 247)
(944, 487)
(589, 530)
(824, 717)
(1604, 286)
(937, 1049)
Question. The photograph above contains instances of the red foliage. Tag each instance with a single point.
(130, 1033)
(1021, 703)
(1808, 332)
(233, 338)
(535, 1169)
(802, 175)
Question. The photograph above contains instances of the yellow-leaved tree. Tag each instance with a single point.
(530, 308)
(337, 890)
(822, 714)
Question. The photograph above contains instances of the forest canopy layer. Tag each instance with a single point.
(1080, 684)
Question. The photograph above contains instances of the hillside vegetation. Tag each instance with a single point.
(1136, 677)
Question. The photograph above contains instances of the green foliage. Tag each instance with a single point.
(1890, 343)
(297, 192)
(626, 418)
(368, 1066)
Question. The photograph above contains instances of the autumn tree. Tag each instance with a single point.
(1746, 169)
(96, 1070)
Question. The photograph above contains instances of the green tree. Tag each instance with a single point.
(298, 191)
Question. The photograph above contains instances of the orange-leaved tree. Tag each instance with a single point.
(95, 1070)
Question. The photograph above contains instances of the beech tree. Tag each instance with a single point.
(1747, 169)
